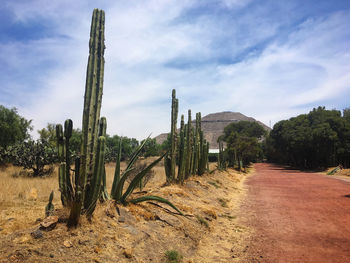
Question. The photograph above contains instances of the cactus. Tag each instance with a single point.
(196, 147)
(92, 147)
(68, 128)
(96, 180)
(181, 169)
(189, 143)
(49, 207)
(102, 132)
(114, 194)
(65, 183)
(221, 159)
(170, 160)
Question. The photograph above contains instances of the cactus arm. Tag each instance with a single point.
(68, 128)
(97, 176)
(61, 159)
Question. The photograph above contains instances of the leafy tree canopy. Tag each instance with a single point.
(13, 127)
(242, 146)
(320, 138)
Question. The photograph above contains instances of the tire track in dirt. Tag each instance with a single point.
(296, 216)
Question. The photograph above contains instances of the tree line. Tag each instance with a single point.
(318, 139)
(18, 147)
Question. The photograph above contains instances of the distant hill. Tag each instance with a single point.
(213, 126)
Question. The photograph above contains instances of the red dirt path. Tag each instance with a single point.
(296, 216)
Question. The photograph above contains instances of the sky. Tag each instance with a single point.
(270, 59)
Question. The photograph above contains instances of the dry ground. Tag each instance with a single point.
(141, 233)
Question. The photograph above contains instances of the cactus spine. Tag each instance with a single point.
(92, 147)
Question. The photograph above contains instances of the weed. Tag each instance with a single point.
(228, 216)
(214, 184)
(173, 256)
(223, 202)
(202, 221)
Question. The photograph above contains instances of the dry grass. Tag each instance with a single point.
(23, 194)
(141, 233)
(32, 194)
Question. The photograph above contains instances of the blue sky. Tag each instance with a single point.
(270, 60)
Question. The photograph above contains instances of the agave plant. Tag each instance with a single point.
(121, 196)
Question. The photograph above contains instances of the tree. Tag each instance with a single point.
(151, 148)
(13, 127)
(33, 155)
(242, 145)
(318, 139)
(48, 134)
(129, 145)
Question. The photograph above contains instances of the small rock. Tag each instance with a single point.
(125, 216)
(52, 255)
(67, 243)
(127, 252)
(38, 220)
(37, 234)
(49, 223)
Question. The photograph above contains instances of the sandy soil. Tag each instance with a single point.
(210, 231)
(296, 216)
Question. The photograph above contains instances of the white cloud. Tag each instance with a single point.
(310, 66)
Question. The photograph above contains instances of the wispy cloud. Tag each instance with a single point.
(269, 61)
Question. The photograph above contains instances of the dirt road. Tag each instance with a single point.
(296, 216)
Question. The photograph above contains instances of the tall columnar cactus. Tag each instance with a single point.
(202, 146)
(201, 137)
(196, 147)
(102, 132)
(68, 129)
(189, 142)
(182, 153)
(221, 158)
(90, 159)
(207, 157)
(65, 183)
(170, 160)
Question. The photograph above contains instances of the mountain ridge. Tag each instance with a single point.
(213, 126)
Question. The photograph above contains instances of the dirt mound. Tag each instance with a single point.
(138, 233)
